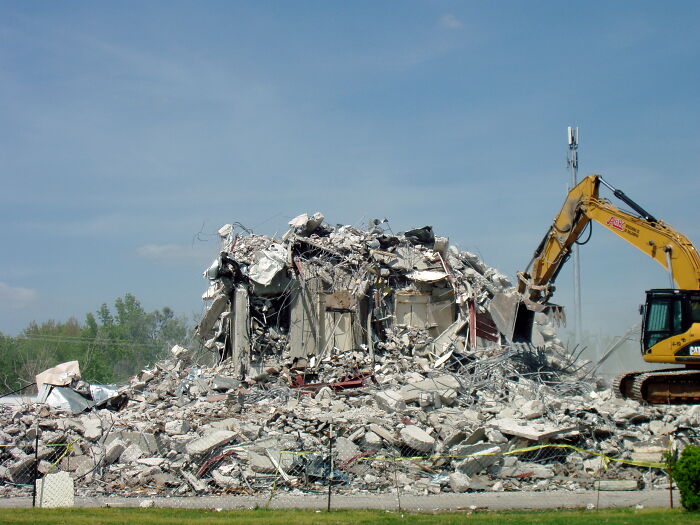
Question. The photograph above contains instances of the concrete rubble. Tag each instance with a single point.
(373, 348)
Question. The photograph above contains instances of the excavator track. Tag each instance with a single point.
(660, 387)
(622, 384)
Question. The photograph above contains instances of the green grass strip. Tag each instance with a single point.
(138, 516)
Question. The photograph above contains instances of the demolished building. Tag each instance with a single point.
(365, 359)
(323, 291)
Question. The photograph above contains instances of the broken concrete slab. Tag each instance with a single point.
(480, 460)
(60, 375)
(417, 439)
(206, 443)
(382, 433)
(177, 427)
(530, 431)
(114, 450)
(459, 482)
(649, 453)
(437, 385)
(390, 400)
(617, 484)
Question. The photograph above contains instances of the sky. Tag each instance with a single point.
(131, 131)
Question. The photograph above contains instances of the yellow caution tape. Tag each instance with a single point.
(69, 448)
(605, 459)
(43, 444)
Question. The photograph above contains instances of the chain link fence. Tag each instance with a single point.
(32, 467)
(59, 457)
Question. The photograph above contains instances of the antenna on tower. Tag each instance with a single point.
(572, 165)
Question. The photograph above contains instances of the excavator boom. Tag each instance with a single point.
(668, 247)
(671, 323)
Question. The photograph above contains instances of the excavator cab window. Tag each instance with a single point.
(664, 318)
(695, 308)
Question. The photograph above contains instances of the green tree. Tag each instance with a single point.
(109, 346)
(686, 473)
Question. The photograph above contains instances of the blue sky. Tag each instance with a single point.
(129, 127)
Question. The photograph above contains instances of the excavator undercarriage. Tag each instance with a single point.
(660, 387)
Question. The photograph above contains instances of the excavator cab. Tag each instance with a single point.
(671, 326)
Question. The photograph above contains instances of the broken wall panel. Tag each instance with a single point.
(304, 331)
(412, 308)
(217, 307)
(338, 332)
(419, 310)
(241, 331)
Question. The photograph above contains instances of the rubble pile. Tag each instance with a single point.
(342, 355)
(191, 430)
(324, 290)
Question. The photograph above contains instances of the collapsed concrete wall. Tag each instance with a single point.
(324, 290)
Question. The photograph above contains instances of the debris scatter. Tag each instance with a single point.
(329, 353)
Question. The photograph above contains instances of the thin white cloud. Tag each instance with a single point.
(450, 21)
(15, 297)
(175, 253)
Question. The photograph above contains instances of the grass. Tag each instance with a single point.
(137, 516)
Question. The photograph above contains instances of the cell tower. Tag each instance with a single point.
(572, 165)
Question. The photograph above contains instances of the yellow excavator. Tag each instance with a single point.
(670, 317)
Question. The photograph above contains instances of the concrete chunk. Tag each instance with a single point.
(222, 384)
(263, 464)
(206, 443)
(417, 439)
(130, 454)
(173, 428)
(146, 441)
(389, 400)
(204, 330)
(93, 428)
(533, 431)
(480, 461)
(532, 409)
(114, 450)
(440, 385)
(648, 453)
(21, 469)
(383, 433)
(346, 449)
(151, 462)
(459, 482)
(617, 484)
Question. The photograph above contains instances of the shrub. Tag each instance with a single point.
(686, 473)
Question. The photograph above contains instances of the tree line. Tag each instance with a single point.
(110, 345)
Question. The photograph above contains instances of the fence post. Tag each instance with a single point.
(670, 485)
(330, 456)
(396, 483)
(36, 459)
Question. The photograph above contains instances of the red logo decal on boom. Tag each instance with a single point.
(616, 223)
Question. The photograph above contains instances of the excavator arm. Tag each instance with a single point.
(671, 317)
(671, 249)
